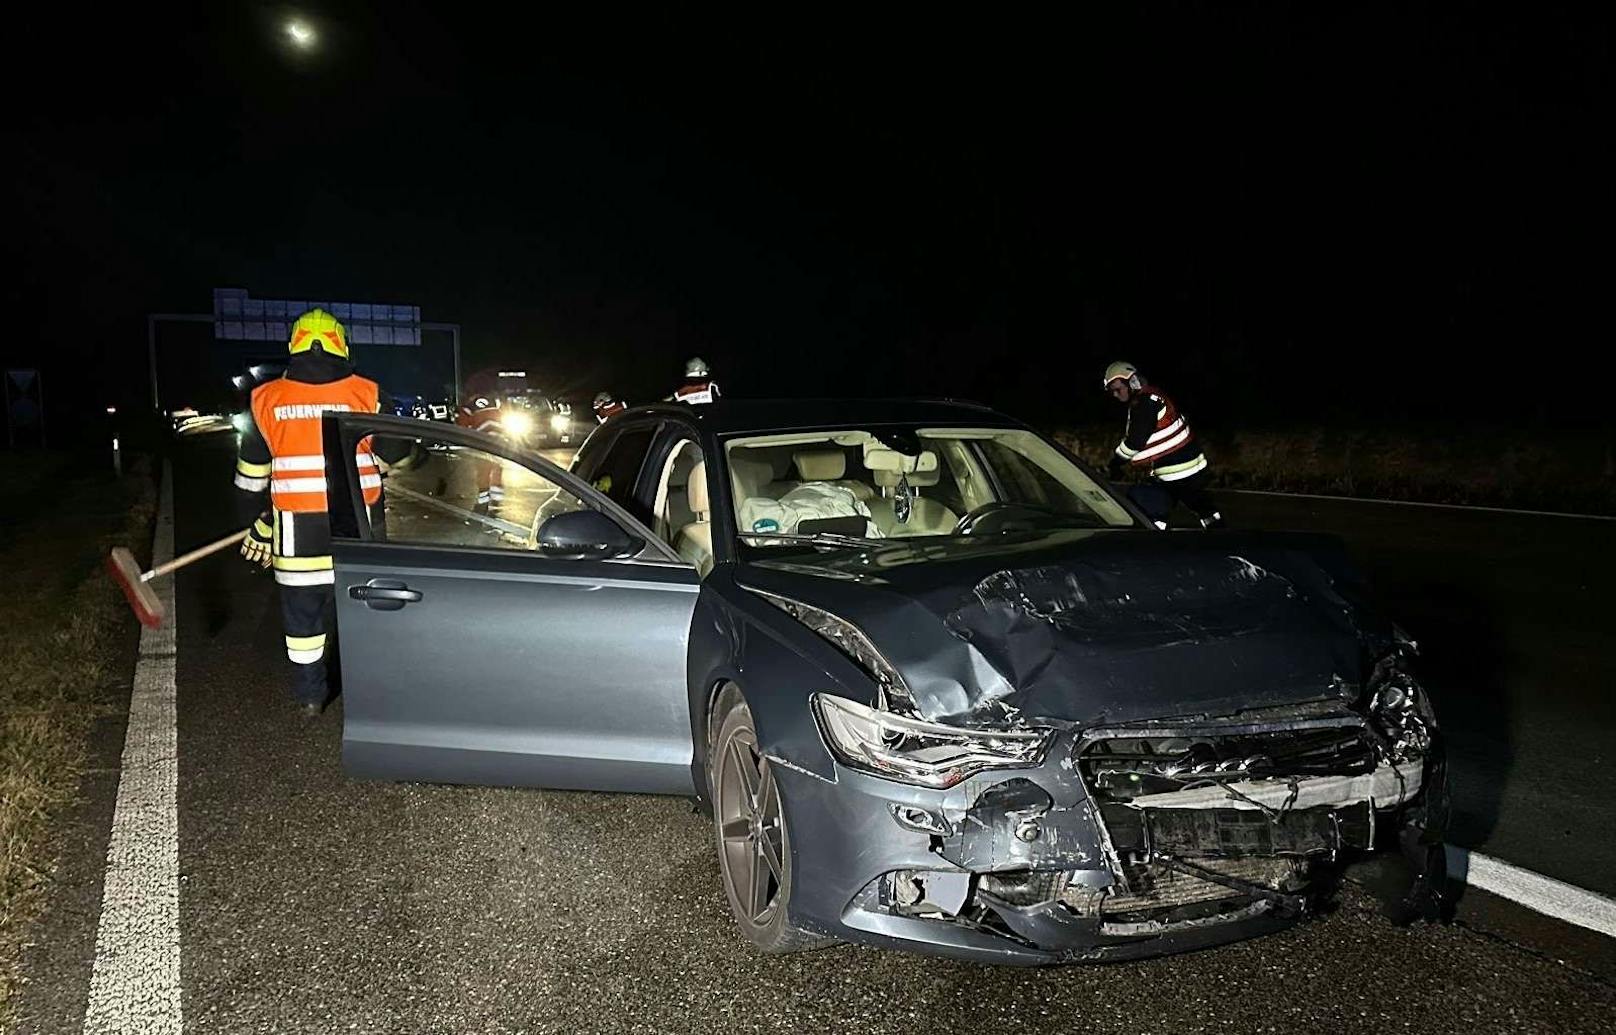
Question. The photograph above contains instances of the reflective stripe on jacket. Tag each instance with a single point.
(288, 415)
(1159, 437)
(695, 392)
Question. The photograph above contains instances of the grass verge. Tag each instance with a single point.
(1573, 471)
(66, 637)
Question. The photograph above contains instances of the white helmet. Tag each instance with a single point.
(1123, 371)
(695, 366)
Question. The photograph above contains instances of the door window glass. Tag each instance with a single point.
(592, 452)
(447, 495)
(619, 469)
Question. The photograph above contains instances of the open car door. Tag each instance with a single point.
(501, 622)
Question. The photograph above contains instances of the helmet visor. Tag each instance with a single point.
(330, 341)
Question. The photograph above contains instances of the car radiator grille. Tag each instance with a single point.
(1157, 887)
(1118, 768)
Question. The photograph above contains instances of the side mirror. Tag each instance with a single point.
(585, 534)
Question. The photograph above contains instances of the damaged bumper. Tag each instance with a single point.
(1125, 842)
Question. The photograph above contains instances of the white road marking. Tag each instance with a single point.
(135, 984)
(1412, 503)
(1536, 892)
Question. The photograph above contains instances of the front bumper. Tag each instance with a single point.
(1029, 867)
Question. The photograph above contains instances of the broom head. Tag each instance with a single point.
(142, 599)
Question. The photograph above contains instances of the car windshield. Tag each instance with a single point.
(848, 487)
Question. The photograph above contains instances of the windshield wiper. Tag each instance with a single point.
(822, 538)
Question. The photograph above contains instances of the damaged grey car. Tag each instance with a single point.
(940, 687)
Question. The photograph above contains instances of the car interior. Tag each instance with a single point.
(906, 484)
(871, 472)
(682, 514)
(854, 483)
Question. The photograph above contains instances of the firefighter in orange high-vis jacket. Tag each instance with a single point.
(482, 412)
(282, 453)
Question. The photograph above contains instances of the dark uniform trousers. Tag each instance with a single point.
(302, 563)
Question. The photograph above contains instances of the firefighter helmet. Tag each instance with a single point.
(1121, 371)
(318, 327)
(602, 399)
(695, 366)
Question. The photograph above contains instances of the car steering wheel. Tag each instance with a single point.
(1001, 516)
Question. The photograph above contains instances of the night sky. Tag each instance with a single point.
(1339, 216)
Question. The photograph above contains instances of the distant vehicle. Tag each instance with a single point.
(419, 408)
(529, 415)
(188, 421)
(940, 686)
(550, 421)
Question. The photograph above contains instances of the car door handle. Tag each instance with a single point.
(384, 594)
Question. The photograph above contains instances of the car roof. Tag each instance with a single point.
(763, 416)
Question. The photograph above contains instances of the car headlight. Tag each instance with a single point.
(914, 751)
(558, 422)
(1400, 710)
(516, 425)
(850, 640)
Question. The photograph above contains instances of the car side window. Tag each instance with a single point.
(592, 452)
(619, 469)
(450, 495)
(1027, 482)
(970, 488)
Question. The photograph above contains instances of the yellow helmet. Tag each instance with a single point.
(318, 327)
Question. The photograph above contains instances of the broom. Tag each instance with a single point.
(136, 584)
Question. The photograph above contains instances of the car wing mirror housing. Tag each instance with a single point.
(585, 534)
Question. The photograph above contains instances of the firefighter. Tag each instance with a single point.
(482, 413)
(282, 452)
(1158, 439)
(699, 387)
(605, 406)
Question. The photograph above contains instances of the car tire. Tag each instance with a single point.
(755, 854)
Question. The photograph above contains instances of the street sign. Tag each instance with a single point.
(238, 316)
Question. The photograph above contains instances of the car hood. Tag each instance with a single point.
(1095, 627)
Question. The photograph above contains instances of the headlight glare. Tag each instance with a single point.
(558, 422)
(516, 424)
(914, 751)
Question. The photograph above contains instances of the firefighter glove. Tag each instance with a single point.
(1114, 468)
(256, 546)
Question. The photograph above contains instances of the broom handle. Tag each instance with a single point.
(200, 552)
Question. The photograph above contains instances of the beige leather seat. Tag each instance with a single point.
(694, 542)
(830, 465)
(926, 516)
(748, 477)
(673, 509)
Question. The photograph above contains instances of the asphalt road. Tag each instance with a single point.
(1514, 617)
(314, 903)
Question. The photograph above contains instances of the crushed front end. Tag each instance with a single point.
(1161, 836)
(1126, 748)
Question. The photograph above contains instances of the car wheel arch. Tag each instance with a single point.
(719, 701)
